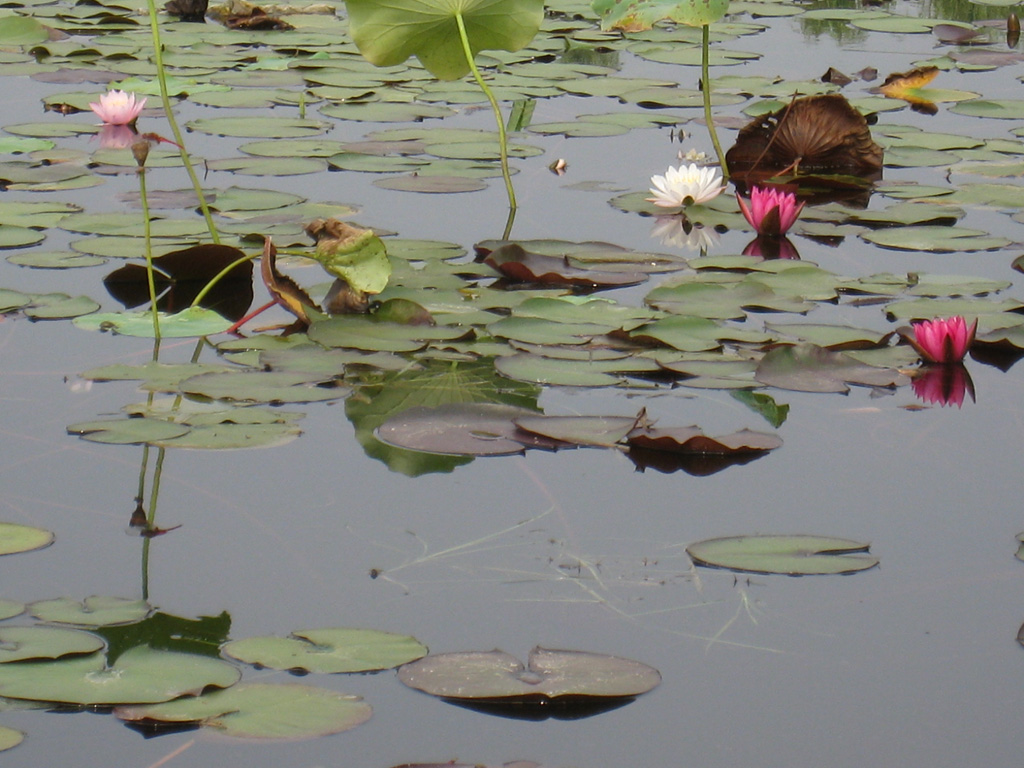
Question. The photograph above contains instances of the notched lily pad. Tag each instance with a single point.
(551, 678)
(810, 368)
(328, 651)
(792, 555)
(257, 711)
(22, 643)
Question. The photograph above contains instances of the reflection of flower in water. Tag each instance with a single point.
(117, 136)
(943, 384)
(680, 232)
(944, 339)
(771, 248)
(117, 107)
(686, 185)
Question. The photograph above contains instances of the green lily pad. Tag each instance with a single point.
(10, 738)
(361, 333)
(54, 260)
(188, 323)
(810, 368)
(22, 30)
(935, 239)
(457, 429)
(95, 611)
(60, 306)
(328, 651)
(16, 538)
(127, 431)
(23, 643)
(10, 608)
(260, 711)
(604, 431)
(19, 237)
(636, 15)
(140, 675)
(231, 436)
(258, 127)
(792, 555)
(263, 387)
(1000, 109)
(572, 372)
(549, 675)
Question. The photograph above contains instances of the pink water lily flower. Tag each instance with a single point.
(686, 185)
(944, 339)
(118, 107)
(771, 211)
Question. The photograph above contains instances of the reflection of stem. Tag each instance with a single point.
(706, 80)
(158, 59)
(151, 519)
(502, 136)
(147, 229)
(220, 276)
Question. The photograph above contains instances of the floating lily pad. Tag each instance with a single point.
(16, 538)
(693, 440)
(459, 429)
(127, 431)
(95, 611)
(792, 555)
(10, 738)
(810, 368)
(263, 387)
(549, 675)
(22, 643)
(188, 323)
(231, 436)
(260, 711)
(140, 675)
(935, 239)
(54, 260)
(258, 127)
(10, 608)
(603, 431)
(328, 651)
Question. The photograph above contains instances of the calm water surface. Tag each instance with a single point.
(913, 663)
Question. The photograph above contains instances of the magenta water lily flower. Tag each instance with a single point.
(686, 185)
(771, 211)
(944, 339)
(118, 107)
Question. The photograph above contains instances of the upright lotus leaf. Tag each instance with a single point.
(260, 711)
(549, 674)
(638, 15)
(792, 555)
(329, 651)
(140, 675)
(389, 33)
(354, 254)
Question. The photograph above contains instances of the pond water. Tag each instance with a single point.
(914, 662)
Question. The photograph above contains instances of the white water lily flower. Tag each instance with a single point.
(685, 185)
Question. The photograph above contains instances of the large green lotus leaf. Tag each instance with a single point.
(127, 431)
(329, 651)
(140, 675)
(21, 643)
(389, 33)
(637, 15)
(10, 738)
(16, 538)
(792, 555)
(188, 323)
(810, 368)
(935, 239)
(261, 711)
(549, 674)
(95, 611)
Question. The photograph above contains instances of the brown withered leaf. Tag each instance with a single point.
(834, 76)
(811, 135)
(283, 289)
(522, 266)
(693, 440)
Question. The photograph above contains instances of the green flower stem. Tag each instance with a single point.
(502, 135)
(158, 59)
(220, 276)
(147, 229)
(706, 81)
